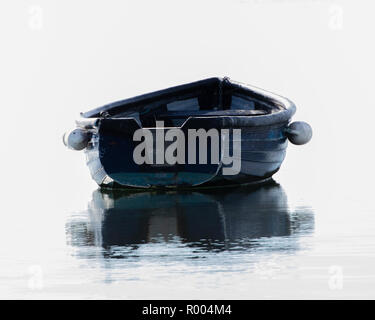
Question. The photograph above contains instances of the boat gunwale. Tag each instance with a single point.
(90, 118)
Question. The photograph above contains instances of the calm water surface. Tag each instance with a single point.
(243, 242)
(190, 242)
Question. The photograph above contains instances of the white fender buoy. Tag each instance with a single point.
(299, 132)
(76, 139)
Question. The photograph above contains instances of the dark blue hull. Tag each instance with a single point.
(111, 162)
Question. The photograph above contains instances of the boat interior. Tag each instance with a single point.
(207, 98)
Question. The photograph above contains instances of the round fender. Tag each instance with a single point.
(299, 132)
(76, 139)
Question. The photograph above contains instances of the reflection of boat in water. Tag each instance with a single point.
(212, 219)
